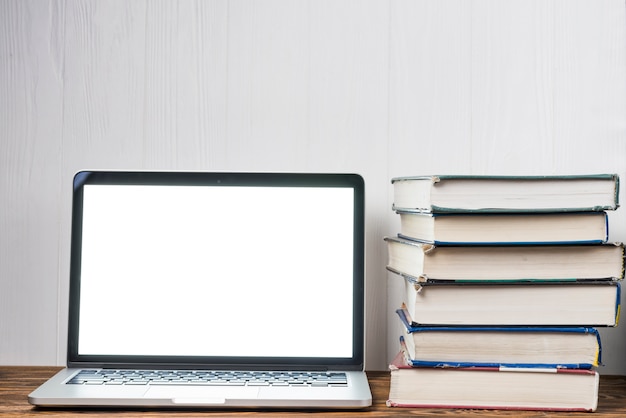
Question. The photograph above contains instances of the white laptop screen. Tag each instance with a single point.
(216, 270)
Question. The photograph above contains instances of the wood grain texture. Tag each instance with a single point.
(30, 143)
(382, 88)
(512, 97)
(430, 87)
(17, 382)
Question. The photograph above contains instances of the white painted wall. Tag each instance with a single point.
(382, 88)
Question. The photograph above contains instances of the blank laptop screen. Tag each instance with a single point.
(217, 269)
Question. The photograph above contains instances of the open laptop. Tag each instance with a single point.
(196, 289)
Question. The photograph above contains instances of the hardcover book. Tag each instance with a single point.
(522, 347)
(492, 388)
(427, 262)
(450, 193)
(589, 304)
(500, 228)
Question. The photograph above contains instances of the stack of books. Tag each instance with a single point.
(507, 280)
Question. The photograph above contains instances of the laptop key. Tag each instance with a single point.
(258, 384)
(208, 378)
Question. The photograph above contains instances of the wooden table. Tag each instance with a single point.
(17, 382)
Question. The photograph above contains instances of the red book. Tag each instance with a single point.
(492, 388)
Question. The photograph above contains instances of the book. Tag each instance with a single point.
(466, 193)
(513, 304)
(522, 347)
(427, 262)
(511, 228)
(492, 388)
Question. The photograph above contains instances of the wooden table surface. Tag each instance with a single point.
(17, 382)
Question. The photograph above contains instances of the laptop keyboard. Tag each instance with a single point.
(209, 378)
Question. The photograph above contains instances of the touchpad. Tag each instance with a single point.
(201, 394)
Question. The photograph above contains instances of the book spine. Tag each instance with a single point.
(618, 303)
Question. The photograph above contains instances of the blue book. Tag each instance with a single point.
(500, 347)
(504, 228)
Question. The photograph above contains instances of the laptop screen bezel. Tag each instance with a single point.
(186, 178)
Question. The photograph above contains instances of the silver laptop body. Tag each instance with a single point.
(196, 289)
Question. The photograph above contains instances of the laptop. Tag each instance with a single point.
(204, 289)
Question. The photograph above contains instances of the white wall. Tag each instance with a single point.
(382, 88)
